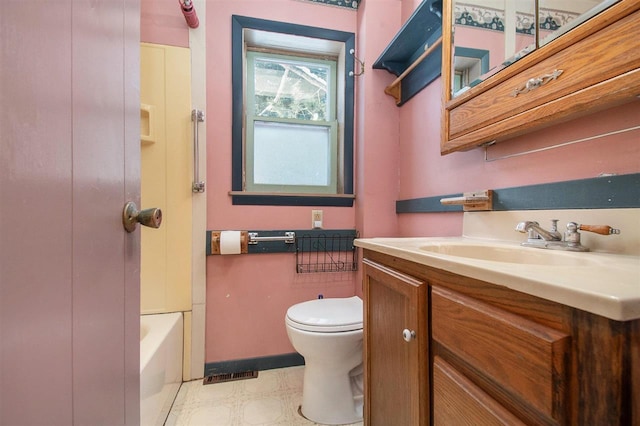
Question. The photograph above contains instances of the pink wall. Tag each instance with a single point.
(247, 296)
(377, 131)
(161, 22)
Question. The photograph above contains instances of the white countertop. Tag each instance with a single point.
(604, 284)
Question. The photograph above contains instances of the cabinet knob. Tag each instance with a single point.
(408, 335)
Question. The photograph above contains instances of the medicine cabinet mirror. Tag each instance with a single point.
(488, 44)
(490, 35)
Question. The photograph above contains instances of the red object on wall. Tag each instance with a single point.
(189, 13)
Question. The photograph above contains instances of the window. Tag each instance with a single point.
(291, 130)
(470, 65)
(292, 115)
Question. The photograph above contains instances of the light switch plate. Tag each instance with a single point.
(316, 219)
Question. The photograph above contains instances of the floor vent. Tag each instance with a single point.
(230, 377)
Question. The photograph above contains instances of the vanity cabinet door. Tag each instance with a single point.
(395, 348)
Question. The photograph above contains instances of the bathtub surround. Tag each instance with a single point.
(165, 264)
(166, 277)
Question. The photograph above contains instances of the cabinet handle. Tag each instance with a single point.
(534, 83)
(408, 335)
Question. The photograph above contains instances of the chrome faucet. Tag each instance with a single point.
(540, 238)
(536, 232)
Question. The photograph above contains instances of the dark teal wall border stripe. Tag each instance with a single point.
(606, 192)
(291, 200)
(250, 364)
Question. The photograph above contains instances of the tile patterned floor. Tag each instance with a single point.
(270, 400)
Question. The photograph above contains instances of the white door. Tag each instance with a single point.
(69, 160)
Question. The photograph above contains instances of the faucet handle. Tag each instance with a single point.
(554, 229)
(599, 229)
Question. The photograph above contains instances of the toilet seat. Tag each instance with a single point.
(327, 315)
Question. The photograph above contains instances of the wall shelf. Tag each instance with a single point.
(415, 53)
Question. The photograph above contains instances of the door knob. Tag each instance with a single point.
(148, 217)
(408, 335)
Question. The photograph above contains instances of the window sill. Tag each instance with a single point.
(241, 198)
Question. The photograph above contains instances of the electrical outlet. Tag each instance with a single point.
(316, 219)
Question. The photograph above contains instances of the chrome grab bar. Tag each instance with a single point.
(197, 116)
(289, 237)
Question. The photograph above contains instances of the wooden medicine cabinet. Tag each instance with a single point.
(579, 66)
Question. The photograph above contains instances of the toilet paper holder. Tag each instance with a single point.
(252, 238)
(215, 242)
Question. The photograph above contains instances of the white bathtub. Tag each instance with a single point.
(160, 365)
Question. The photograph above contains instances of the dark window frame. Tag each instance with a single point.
(344, 199)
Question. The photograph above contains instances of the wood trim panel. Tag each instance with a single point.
(604, 368)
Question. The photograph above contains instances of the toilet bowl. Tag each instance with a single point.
(328, 334)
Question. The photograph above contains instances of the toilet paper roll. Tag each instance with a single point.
(230, 242)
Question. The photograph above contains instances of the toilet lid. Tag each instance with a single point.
(327, 315)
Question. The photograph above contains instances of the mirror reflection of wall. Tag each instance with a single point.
(507, 30)
(556, 17)
(503, 28)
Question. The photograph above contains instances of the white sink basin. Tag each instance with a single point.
(510, 254)
(601, 283)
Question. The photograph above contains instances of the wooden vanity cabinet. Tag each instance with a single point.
(496, 356)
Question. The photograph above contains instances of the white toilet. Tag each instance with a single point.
(328, 334)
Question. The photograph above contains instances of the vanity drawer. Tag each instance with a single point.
(618, 47)
(457, 401)
(522, 358)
